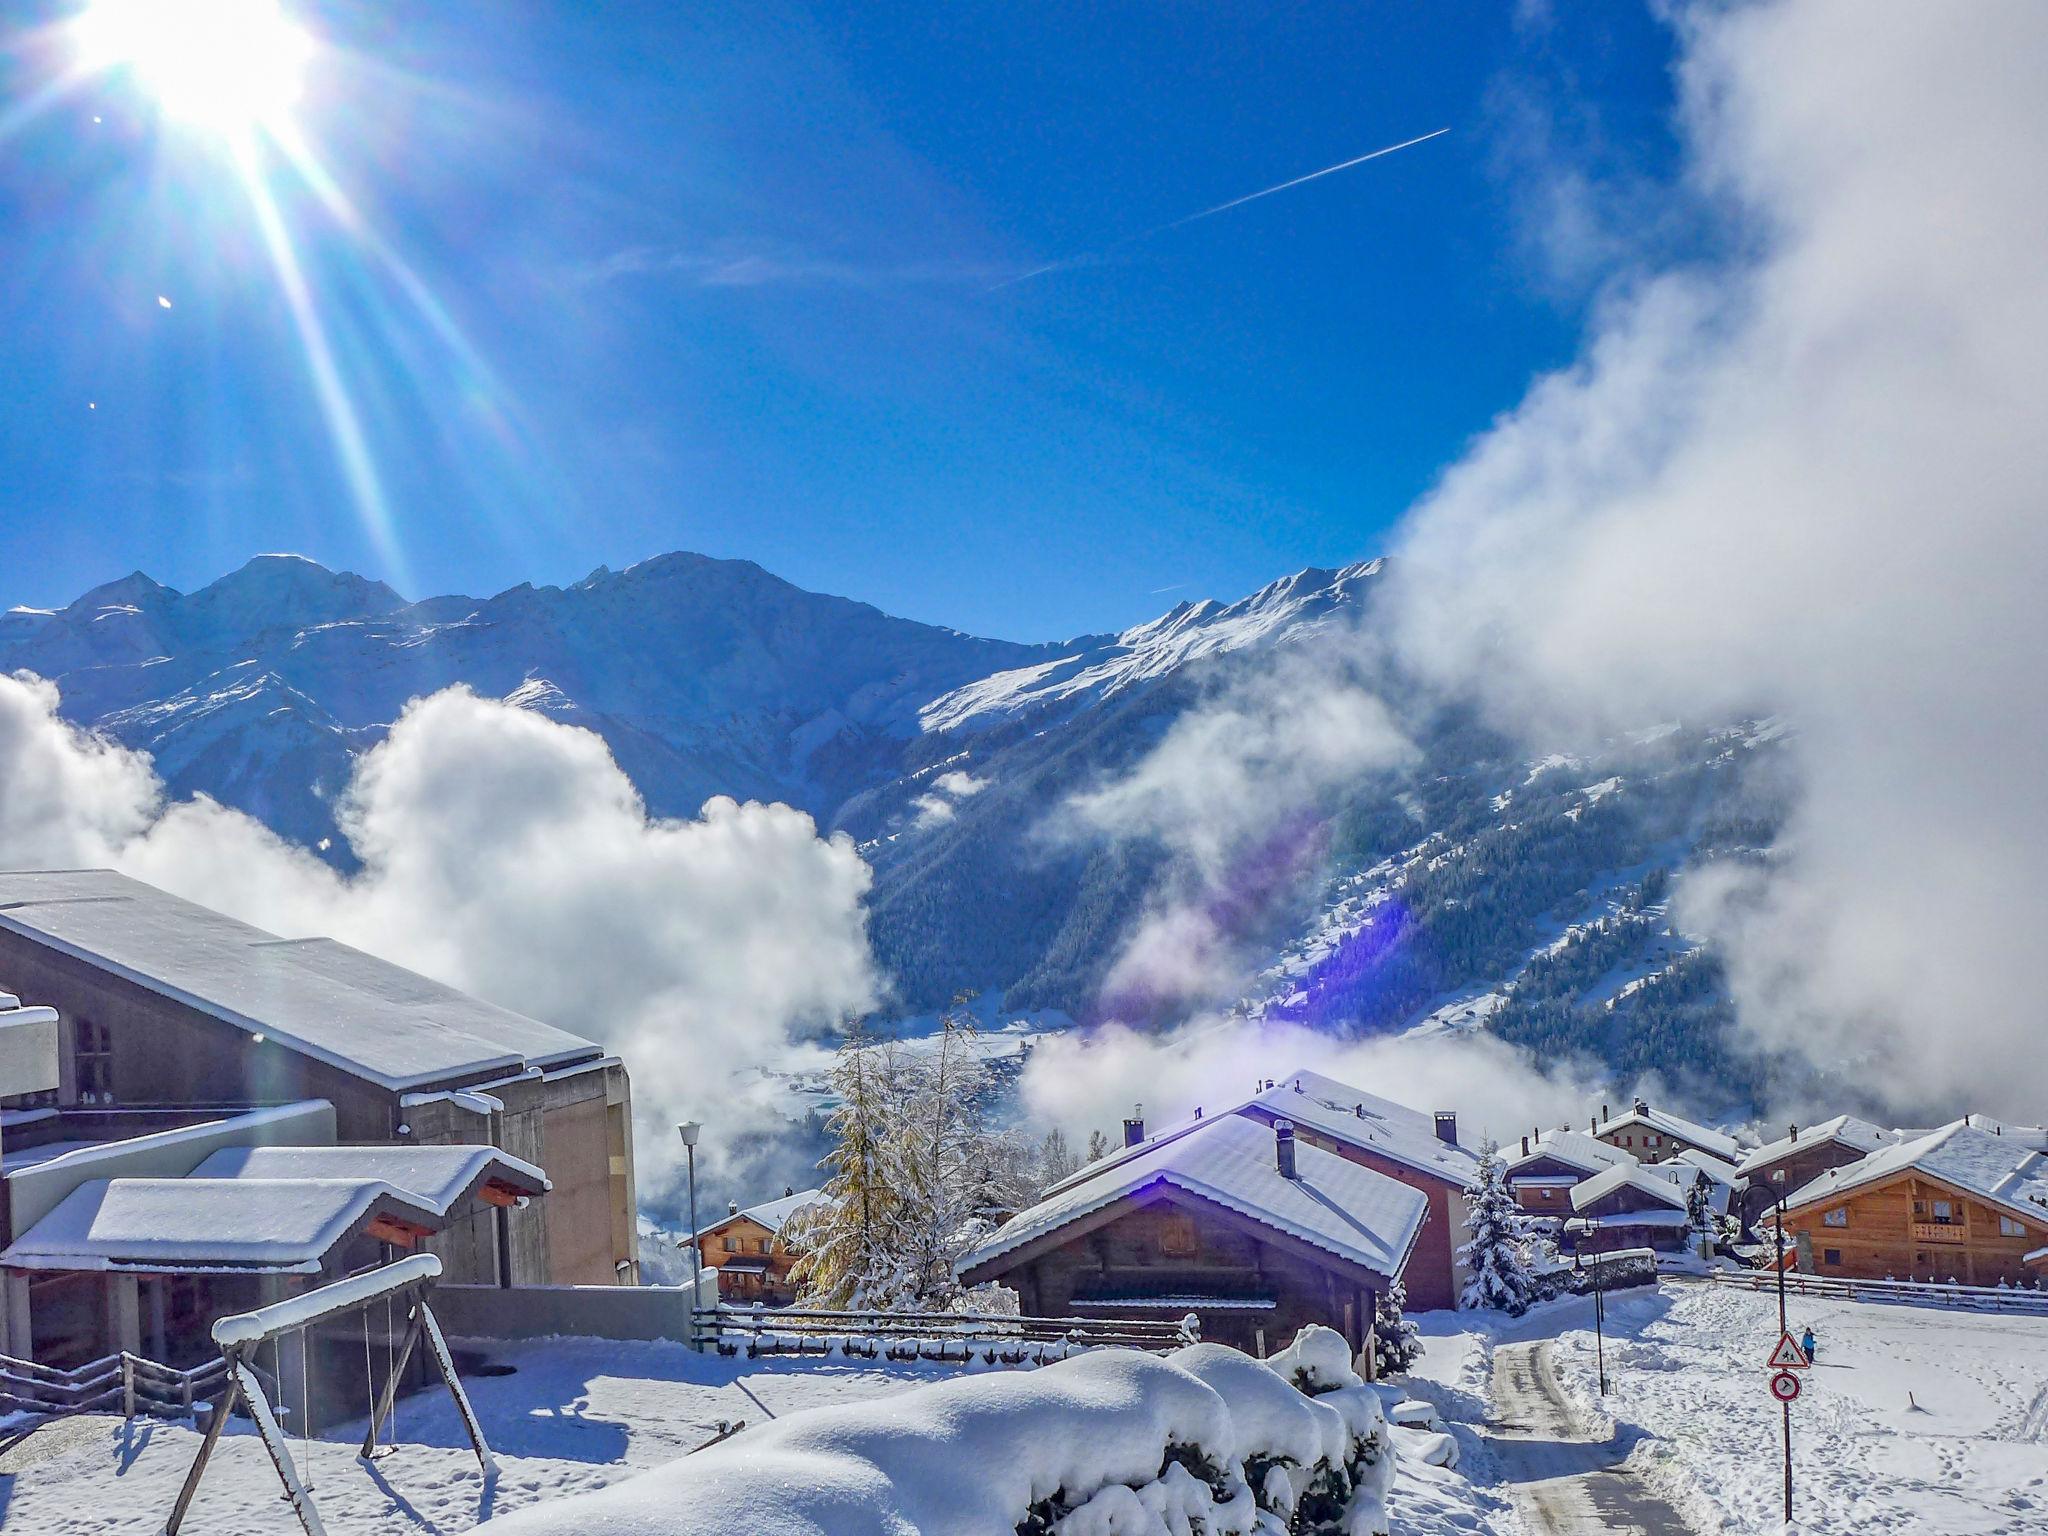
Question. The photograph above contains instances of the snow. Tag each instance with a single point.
(1847, 1129)
(338, 1005)
(2002, 1170)
(246, 1328)
(1366, 1121)
(436, 1177)
(1913, 1419)
(1334, 1205)
(1574, 1148)
(1627, 1176)
(772, 1214)
(1720, 1144)
(281, 1225)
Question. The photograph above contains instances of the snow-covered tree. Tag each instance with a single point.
(1098, 1146)
(917, 1177)
(1498, 1272)
(1056, 1159)
(1397, 1342)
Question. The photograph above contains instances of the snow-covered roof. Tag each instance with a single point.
(369, 1018)
(1638, 1219)
(770, 1213)
(1720, 1144)
(1999, 1170)
(1860, 1135)
(1336, 1205)
(1693, 1160)
(1574, 1148)
(287, 1225)
(1328, 1108)
(436, 1178)
(1373, 1124)
(1627, 1176)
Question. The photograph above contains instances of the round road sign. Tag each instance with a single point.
(1784, 1386)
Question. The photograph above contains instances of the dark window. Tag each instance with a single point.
(92, 1061)
(1831, 1255)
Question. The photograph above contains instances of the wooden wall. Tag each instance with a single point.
(1880, 1240)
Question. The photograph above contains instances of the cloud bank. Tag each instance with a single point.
(507, 855)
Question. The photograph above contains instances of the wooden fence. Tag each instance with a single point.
(124, 1383)
(1984, 1298)
(958, 1336)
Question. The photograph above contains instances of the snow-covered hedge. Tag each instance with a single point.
(1206, 1442)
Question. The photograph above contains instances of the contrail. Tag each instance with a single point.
(1210, 213)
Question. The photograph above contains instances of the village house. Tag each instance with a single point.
(236, 1116)
(751, 1252)
(1408, 1146)
(1230, 1219)
(1652, 1135)
(1961, 1203)
(1799, 1157)
(1628, 1206)
(1543, 1174)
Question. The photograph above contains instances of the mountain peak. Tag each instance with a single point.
(286, 589)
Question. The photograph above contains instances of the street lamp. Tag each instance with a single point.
(1582, 1227)
(1784, 1328)
(689, 1131)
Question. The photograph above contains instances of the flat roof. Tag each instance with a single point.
(357, 1013)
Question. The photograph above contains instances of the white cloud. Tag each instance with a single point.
(508, 855)
(1810, 480)
(948, 789)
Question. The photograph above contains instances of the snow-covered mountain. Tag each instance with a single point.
(1473, 888)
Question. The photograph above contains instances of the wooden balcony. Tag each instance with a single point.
(1940, 1232)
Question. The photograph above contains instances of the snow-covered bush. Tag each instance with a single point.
(1397, 1342)
(1114, 1443)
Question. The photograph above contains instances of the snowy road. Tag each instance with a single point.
(1563, 1483)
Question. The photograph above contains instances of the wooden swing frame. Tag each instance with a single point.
(241, 1335)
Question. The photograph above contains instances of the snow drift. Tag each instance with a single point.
(1114, 1443)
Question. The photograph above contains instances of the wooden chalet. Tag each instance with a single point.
(749, 1250)
(1799, 1157)
(1552, 1163)
(1960, 1203)
(1655, 1134)
(1235, 1221)
(1631, 1207)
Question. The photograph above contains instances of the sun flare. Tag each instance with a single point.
(224, 65)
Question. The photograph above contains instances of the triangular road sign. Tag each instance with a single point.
(1788, 1355)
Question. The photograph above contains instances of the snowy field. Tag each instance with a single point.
(1913, 1420)
(576, 1415)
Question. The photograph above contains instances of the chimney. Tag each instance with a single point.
(1134, 1128)
(1525, 1146)
(1592, 1125)
(788, 1190)
(1642, 1106)
(1447, 1126)
(1793, 1129)
(1604, 1116)
(1283, 1148)
(732, 1207)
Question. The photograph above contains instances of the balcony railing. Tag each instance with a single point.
(1939, 1232)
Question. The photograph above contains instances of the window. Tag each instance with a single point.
(1944, 1212)
(93, 1063)
(1548, 1194)
(1831, 1255)
(1177, 1237)
(2007, 1227)
(760, 1245)
(732, 1245)
(1650, 1140)
(1838, 1217)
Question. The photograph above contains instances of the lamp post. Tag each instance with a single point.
(689, 1131)
(1778, 1194)
(1582, 1227)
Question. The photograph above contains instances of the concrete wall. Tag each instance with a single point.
(28, 1049)
(543, 1311)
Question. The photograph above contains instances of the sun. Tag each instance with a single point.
(225, 65)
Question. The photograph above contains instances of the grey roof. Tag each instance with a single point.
(1858, 1135)
(365, 1016)
(436, 1177)
(772, 1214)
(1336, 1205)
(2000, 1170)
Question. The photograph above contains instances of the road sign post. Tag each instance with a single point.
(1785, 1387)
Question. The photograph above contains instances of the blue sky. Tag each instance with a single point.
(644, 276)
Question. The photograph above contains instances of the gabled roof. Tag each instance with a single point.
(1662, 1120)
(365, 1016)
(1692, 1158)
(435, 1178)
(2000, 1170)
(1574, 1148)
(1847, 1130)
(1338, 1206)
(270, 1225)
(1627, 1176)
(1368, 1122)
(1328, 1108)
(772, 1214)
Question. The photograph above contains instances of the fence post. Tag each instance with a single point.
(127, 1385)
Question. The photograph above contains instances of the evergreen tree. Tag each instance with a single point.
(1499, 1275)
(1699, 1209)
(1397, 1342)
(1098, 1146)
(848, 1254)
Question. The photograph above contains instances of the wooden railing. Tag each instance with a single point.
(1989, 1298)
(957, 1336)
(124, 1383)
(1939, 1232)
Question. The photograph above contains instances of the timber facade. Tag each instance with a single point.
(1915, 1226)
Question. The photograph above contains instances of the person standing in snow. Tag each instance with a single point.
(1806, 1344)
